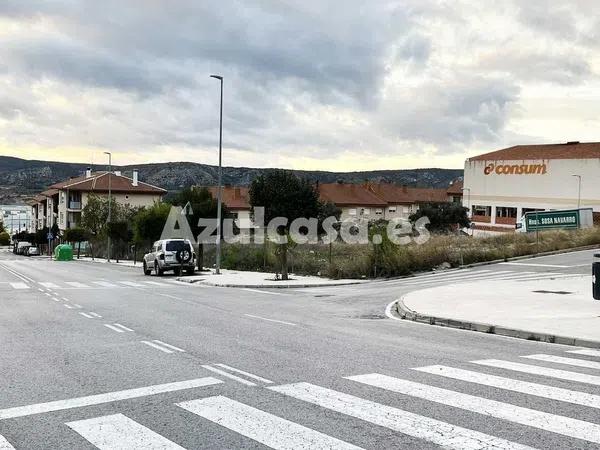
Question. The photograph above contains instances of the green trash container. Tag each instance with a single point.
(63, 252)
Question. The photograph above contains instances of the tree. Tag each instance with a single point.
(443, 217)
(4, 238)
(283, 194)
(204, 206)
(119, 234)
(149, 222)
(77, 235)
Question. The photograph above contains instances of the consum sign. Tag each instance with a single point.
(515, 169)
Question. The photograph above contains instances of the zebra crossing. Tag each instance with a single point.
(264, 423)
(98, 284)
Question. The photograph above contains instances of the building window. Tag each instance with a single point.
(479, 210)
(506, 211)
(352, 212)
(378, 211)
(392, 209)
(365, 211)
(406, 209)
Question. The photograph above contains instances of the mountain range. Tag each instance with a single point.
(20, 179)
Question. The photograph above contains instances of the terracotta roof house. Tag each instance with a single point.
(63, 202)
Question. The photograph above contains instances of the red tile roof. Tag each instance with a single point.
(98, 182)
(349, 195)
(234, 197)
(570, 150)
(455, 188)
(394, 194)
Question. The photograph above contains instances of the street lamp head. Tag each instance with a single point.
(218, 77)
(107, 153)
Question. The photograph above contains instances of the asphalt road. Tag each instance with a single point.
(98, 356)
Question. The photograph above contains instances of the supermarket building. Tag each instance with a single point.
(499, 187)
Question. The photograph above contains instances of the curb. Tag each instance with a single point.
(266, 286)
(406, 313)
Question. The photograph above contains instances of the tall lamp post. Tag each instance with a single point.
(468, 206)
(578, 190)
(109, 205)
(218, 265)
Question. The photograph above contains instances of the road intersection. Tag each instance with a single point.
(98, 356)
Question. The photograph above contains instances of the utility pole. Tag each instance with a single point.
(219, 188)
(109, 205)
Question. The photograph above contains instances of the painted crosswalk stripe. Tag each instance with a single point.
(539, 370)
(98, 399)
(566, 361)
(247, 374)
(263, 427)
(442, 274)
(461, 276)
(228, 375)
(19, 285)
(411, 424)
(119, 432)
(131, 284)
(586, 352)
(76, 284)
(524, 387)
(104, 284)
(4, 444)
(566, 426)
(48, 284)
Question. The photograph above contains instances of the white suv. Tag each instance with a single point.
(170, 254)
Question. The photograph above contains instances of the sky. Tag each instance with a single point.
(313, 84)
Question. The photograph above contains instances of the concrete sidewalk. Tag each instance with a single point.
(238, 278)
(560, 310)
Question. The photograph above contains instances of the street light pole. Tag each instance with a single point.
(219, 188)
(578, 190)
(109, 205)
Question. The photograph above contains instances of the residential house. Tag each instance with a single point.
(402, 201)
(354, 200)
(63, 203)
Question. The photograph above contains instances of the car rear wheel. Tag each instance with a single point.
(157, 270)
(146, 270)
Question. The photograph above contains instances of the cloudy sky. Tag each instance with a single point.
(312, 84)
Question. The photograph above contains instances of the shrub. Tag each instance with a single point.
(4, 238)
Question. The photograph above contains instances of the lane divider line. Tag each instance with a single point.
(118, 330)
(248, 374)
(228, 375)
(86, 315)
(157, 347)
(270, 320)
(169, 346)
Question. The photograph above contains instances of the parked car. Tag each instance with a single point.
(170, 254)
(22, 247)
(33, 251)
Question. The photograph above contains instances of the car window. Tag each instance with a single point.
(174, 246)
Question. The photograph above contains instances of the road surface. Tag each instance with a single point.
(98, 356)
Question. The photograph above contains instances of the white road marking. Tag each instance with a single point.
(19, 285)
(458, 276)
(411, 424)
(29, 410)
(86, 315)
(156, 346)
(131, 284)
(262, 292)
(538, 370)
(249, 375)
(567, 361)
(98, 316)
(40, 289)
(123, 327)
(104, 284)
(228, 375)
(48, 294)
(65, 299)
(48, 284)
(525, 387)
(76, 284)
(67, 306)
(156, 283)
(270, 320)
(118, 330)
(566, 426)
(55, 299)
(441, 274)
(77, 306)
(268, 429)
(119, 432)
(168, 296)
(558, 266)
(586, 352)
(164, 344)
(4, 444)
